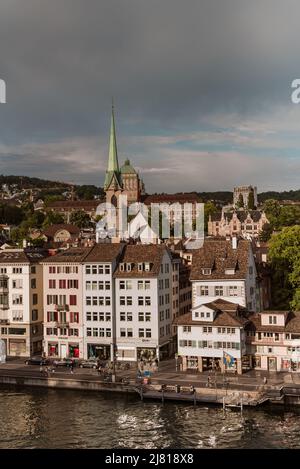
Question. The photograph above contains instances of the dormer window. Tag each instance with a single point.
(206, 271)
(230, 271)
(122, 267)
(128, 267)
(272, 320)
(147, 266)
(140, 266)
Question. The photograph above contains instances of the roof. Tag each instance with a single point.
(53, 229)
(241, 215)
(104, 252)
(141, 253)
(219, 255)
(12, 256)
(77, 204)
(227, 314)
(182, 197)
(127, 168)
(69, 256)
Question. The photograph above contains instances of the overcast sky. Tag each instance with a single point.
(201, 89)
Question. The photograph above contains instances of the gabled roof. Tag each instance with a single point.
(222, 256)
(228, 314)
(53, 229)
(71, 255)
(17, 256)
(104, 252)
(142, 253)
(241, 215)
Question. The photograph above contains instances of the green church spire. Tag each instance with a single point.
(112, 178)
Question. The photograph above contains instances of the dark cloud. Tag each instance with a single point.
(171, 66)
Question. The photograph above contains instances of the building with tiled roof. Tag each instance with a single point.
(273, 340)
(246, 223)
(21, 301)
(211, 332)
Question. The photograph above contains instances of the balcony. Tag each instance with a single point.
(62, 324)
(62, 307)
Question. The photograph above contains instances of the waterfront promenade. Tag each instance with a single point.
(253, 387)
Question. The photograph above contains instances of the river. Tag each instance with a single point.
(40, 418)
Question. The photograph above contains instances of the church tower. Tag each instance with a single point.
(113, 181)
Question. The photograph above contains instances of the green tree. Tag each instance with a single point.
(285, 256)
(266, 232)
(52, 218)
(240, 202)
(272, 209)
(80, 219)
(250, 204)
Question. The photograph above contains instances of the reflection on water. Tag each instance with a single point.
(38, 418)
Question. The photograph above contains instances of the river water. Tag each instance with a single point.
(39, 418)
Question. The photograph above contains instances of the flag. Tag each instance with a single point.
(228, 360)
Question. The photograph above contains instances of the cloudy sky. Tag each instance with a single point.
(202, 90)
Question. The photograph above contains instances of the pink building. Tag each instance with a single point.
(63, 321)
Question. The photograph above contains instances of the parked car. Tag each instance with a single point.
(37, 361)
(88, 364)
(64, 362)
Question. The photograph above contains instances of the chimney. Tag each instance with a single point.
(234, 242)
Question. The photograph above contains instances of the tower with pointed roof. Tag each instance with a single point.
(118, 180)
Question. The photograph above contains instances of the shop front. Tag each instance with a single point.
(211, 364)
(74, 350)
(290, 364)
(53, 349)
(17, 347)
(101, 351)
(146, 354)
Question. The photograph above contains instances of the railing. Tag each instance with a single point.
(62, 307)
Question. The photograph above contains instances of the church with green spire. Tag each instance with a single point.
(124, 180)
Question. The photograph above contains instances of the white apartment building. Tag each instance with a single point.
(63, 312)
(99, 325)
(21, 301)
(209, 333)
(144, 302)
(224, 269)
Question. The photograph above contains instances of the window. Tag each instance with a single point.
(33, 283)
(73, 300)
(107, 317)
(141, 333)
(233, 290)
(208, 315)
(101, 332)
(73, 284)
(95, 332)
(129, 317)
(128, 267)
(34, 315)
(33, 269)
(219, 290)
(148, 316)
(62, 284)
(122, 332)
(122, 300)
(140, 266)
(147, 301)
(148, 333)
(87, 269)
(101, 316)
(161, 315)
(272, 320)
(108, 332)
(140, 284)
(129, 333)
(204, 290)
(140, 301)
(107, 269)
(17, 315)
(147, 284)
(206, 271)
(52, 283)
(187, 329)
(17, 270)
(17, 299)
(122, 284)
(89, 316)
(162, 331)
(122, 316)
(141, 316)
(88, 332)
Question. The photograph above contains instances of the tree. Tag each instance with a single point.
(272, 209)
(80, 219)
(250, 204)
(240, 202)
(53, 218)
(266, 232)
(284, 254)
